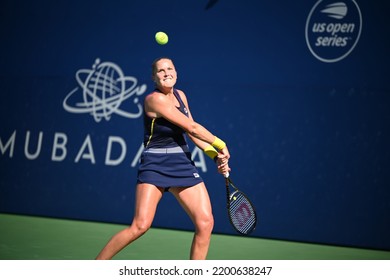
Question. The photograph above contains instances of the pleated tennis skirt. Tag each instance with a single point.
(167, 168)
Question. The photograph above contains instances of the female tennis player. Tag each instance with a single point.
(166, 164)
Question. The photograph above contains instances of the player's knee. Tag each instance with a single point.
(142, 226)
(206, 224)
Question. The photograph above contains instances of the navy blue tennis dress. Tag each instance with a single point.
(166, 160)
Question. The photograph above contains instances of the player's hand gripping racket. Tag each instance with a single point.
(242, 214)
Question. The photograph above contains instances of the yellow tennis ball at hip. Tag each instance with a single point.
(161, 38)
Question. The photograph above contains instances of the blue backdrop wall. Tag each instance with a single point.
(299, 91)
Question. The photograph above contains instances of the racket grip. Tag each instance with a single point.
(226, 175)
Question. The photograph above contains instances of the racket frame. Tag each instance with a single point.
(229, 196)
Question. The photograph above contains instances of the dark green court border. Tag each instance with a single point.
(38, 238)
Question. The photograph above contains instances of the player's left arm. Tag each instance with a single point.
(199, 143)
(222, 159)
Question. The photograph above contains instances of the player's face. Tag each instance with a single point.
(165, 75)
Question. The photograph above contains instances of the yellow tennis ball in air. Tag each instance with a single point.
(161, 38)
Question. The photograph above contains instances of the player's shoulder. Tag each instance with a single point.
(154, 97)
(181, 94)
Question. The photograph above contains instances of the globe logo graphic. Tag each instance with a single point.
(104, 89)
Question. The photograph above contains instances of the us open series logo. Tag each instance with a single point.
(333, 29)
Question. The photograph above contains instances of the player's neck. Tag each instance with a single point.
(165, 90)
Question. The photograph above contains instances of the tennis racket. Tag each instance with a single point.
(242, 214)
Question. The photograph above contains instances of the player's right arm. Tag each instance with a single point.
(158, 105)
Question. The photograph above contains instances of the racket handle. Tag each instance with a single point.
(226, 175)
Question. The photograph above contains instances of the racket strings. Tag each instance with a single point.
(242, 213)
